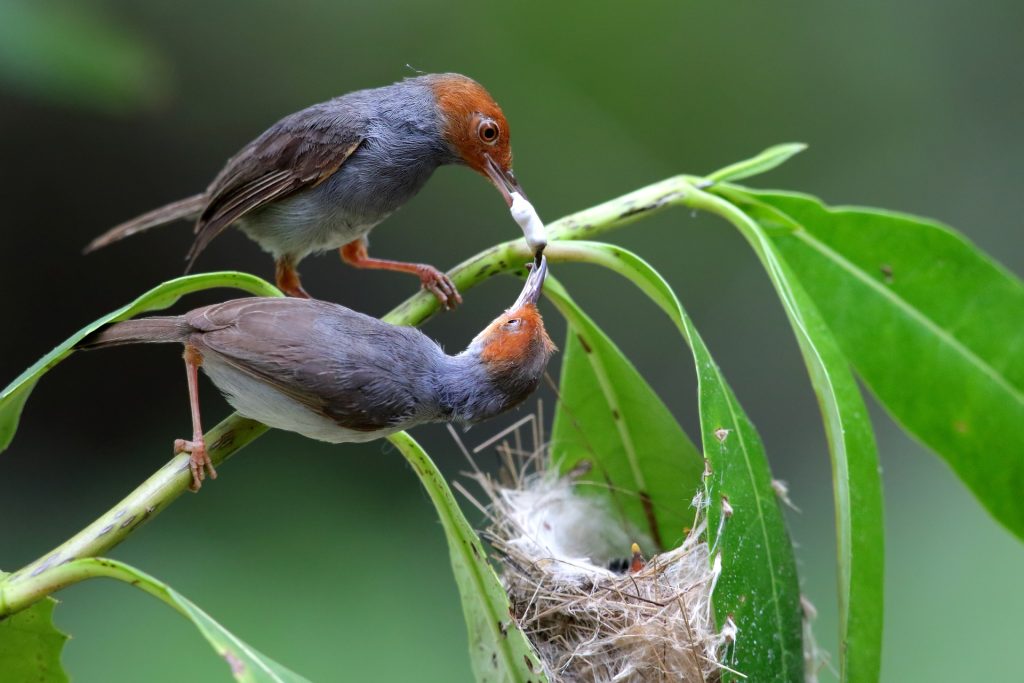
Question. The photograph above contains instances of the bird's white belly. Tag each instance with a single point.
(263, 403)
(296, 231)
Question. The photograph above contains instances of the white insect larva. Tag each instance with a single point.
(533, 227)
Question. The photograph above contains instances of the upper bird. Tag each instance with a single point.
(323, 177)
(336, 375)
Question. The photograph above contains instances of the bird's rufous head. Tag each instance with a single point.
(477, 131)
(516, 344)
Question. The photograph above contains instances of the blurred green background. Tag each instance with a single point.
(329, 559)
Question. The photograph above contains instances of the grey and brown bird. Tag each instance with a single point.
(332, 374)
(323, 177)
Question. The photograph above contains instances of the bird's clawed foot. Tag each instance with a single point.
(296, 292)
(440, 285)
(199, 461)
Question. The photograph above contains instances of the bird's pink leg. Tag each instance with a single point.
(433, 280)
(288, 278)
(199, 461)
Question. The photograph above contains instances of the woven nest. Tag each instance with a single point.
(566, 565)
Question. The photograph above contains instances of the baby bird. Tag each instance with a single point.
(325, 176)
(332, 374)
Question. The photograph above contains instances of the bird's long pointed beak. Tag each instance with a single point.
(503, 179)
(534, 284)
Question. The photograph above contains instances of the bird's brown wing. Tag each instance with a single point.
(300, 151)
(334, 361)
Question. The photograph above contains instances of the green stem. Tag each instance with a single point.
(510, 256)
(19, 595)
(43, 576)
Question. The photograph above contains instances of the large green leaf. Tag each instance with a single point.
(857, 486)
(758, 588)
(935, 328)
(498, 648)
(246, 664)
(13, 397)
(30, 645)
(608, 415)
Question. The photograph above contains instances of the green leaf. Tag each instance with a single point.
(857, 487)
(30, 645)
(762, 163)
(13, 397)
(609, 416)
(73, 53)
(758, 587)
(934, 327)
(498, 648)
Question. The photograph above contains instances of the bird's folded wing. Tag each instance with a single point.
(300, 151)
(320, 355)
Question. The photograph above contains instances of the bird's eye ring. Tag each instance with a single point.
(488, 131)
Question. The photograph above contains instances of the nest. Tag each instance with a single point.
(593, 610)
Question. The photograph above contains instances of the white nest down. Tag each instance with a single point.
(588, 622)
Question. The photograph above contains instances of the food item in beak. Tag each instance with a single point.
(533, 227)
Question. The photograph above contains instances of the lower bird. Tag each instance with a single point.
(323, 177)
(332, 374)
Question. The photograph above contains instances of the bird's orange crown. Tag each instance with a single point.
(475, 126)
(515, 337)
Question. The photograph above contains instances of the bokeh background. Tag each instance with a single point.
(329, 559)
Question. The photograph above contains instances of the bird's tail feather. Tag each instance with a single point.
(152, 330)
(189, 207)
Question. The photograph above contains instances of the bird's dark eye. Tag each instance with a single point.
(488, 131)
(513, 323)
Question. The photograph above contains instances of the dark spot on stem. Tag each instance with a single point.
(128, 522)
(886, 271)
(616, 415)
(529, 662)
(636, 210)
(44, 566)
(584, 344)
(652, 522)
(225, 440)
(105, 530)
